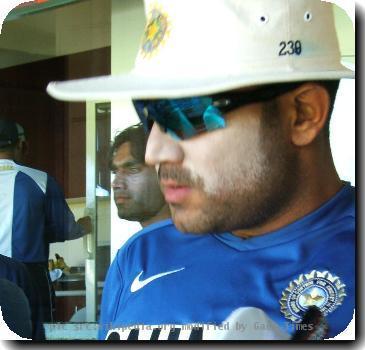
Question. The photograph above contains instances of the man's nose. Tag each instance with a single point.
(162, 148)
(119, 182)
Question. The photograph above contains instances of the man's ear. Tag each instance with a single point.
(311, 106)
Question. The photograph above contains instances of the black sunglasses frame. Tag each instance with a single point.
(224, 102)
(228, 101)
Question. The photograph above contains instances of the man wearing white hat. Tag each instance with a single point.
(238, 103)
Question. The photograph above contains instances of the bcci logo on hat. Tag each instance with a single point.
(155, 33)
(320, 289)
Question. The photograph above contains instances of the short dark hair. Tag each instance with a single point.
(137, 137)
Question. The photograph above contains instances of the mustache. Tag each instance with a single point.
(120, 193)
(181, 175)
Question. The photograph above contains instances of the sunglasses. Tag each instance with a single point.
(184, 118)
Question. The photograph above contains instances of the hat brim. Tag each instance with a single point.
(137, 86)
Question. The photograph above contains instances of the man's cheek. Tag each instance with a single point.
(135, 180)
(213, 181)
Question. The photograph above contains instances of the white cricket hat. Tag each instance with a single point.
(200, 47)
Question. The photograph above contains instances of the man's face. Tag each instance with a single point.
(137, 193)
(239, 177)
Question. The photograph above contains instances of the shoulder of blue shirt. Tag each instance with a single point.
(347, 193)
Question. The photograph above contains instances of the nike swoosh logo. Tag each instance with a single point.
(138, 284)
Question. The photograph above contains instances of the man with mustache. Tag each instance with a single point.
(238, 104)
(137, 195)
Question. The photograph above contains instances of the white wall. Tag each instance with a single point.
(342, 131)
(127, 29)
(342, 127)
(73, 251)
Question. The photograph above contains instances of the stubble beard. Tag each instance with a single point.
(241, 206)
(137, 212)
(249, 193)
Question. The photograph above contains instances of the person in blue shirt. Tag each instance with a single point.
(237, 98)
(33, 214)
(261, 194)
(136, 190)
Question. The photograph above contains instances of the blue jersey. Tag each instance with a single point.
(162, 276)
(33, 213)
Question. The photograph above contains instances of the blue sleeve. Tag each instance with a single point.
(60, 222)
(113, 288)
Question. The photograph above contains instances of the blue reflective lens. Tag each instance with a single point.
(181, 118)
(213, 118)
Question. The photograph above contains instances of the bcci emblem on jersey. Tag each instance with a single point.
(320, 289)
